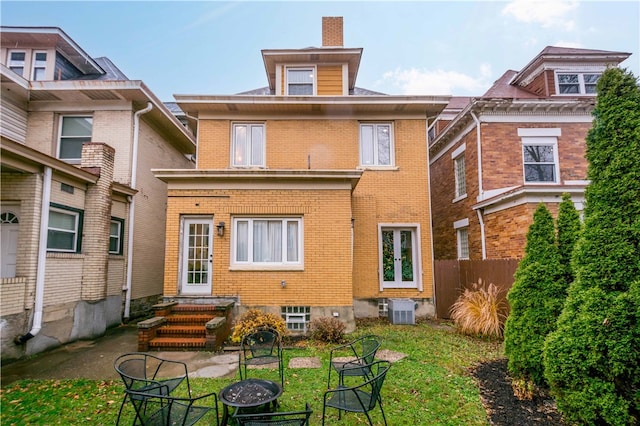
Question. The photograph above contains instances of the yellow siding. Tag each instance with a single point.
(330, 80)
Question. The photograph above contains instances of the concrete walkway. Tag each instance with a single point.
(93, 359)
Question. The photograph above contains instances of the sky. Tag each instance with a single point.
(409, 47)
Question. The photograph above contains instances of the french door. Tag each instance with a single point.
(197, 255)
(398, 257)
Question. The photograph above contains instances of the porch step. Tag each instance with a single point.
(177, 343)
(189, 319)
(182, 331)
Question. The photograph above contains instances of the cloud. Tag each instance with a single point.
(413, 81)
(574, 44)
(548, 13)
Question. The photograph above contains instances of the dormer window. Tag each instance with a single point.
(577, 83)
(300, 81)
(16, 62)
(39, 66)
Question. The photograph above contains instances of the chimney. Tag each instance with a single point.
(332, 31)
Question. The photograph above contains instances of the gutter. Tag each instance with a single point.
(132, 205)
(480, 188)
(42, 259)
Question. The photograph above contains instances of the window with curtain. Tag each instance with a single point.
(248, 145)
(116, 233)
(64, 229)
(300, 81)
(16, 62)
(39, 66)
(376, 144)
(270, 241)
(74, 131)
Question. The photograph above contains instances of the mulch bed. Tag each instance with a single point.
(503, 408)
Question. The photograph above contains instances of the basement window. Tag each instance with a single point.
(296, 317)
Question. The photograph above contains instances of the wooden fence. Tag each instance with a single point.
(452, 277)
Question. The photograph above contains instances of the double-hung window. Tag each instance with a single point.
(16, 62)
(116, 233)
(74, 131)
(39, 66)
(64, 229)
(463, 243)
(268, 241)
(376, 144)
(248, 142)
(577, 83)
(300, 81)
(459, 172)
(540, 160)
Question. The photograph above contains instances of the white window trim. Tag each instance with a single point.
(541, 141)
(24, 61)
(458, 242)
(119, 237)
(456, 182)
(392, 145)
(62, 117)
(417, 256)
(34, 62)
(581, 85)
(261, 266)
(462, 223)
(264, 145)
(76, 216)
(313, 69)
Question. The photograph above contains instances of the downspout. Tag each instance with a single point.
(480, 188)
(132, 205)
(42, 259)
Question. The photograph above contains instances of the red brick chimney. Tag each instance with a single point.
(332, 31)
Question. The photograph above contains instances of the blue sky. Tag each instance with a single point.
(411, 48)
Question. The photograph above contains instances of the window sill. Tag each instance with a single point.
(462, 197)
(541, 183)
(392, 168)
(388, 286)
(266, 268)
(64, 255)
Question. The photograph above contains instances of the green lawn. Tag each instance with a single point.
(432, 385)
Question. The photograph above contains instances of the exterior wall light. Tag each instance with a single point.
(220, 229)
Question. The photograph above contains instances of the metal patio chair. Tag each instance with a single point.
(361, 353)
(149, 374)
(261, 347)
(361, 398)
(155, 407)
(290, 418)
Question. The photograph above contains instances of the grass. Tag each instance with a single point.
(432, 385)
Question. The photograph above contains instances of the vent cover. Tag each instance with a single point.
(402, 311)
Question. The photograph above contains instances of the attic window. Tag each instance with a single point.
(300, 81)
(577, 83)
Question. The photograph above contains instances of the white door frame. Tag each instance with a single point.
(196, 248)
(9, 231)
(416, 283)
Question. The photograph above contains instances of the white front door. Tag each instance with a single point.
(9, 242)
(398, 258)
(197, 256)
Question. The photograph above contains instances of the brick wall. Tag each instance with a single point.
(332, 31)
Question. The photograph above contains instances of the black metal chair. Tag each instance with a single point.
(260, 348)
(146, 373)
(361, 398)
(290, 418)
(154, 407)
(361, 353)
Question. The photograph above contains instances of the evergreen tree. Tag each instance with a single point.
(535, 300)
(592, 360)
(568, 232)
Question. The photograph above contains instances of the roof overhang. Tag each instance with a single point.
(525, 194)
(38, 37)
(311, 56)
(189, 179)
(204, 106)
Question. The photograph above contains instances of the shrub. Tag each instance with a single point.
(569, 227)
(536, 299)
(592, 360)
(255, 318)
(327, 329)
(479, 310)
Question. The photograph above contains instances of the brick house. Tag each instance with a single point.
(310, 196)
(493, 158)
(78, 142)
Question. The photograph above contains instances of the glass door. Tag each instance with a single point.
(197, 256)
(398, 258)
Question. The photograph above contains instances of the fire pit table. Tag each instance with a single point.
(248, 393)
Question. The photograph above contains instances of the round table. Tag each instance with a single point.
(248, 393)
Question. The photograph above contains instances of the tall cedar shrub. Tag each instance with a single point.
(569, 227)
(592, 359)
(535, 300)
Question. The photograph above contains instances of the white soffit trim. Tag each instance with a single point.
(455, 140)
(540, 132)
(536, 119)
(462, 223)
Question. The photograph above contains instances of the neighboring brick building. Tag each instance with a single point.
(78, 142)
(495, 157)
(318, 189)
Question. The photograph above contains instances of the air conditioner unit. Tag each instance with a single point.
(402, 311)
